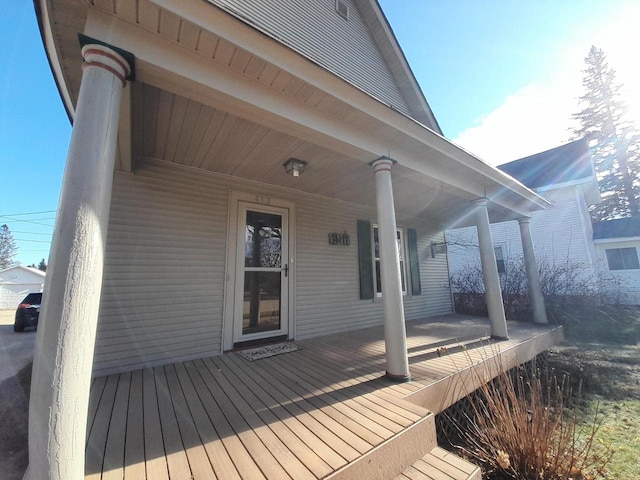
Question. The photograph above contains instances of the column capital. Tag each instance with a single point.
(382, 163)
(522, 220)
(481, 202)
(112, 59)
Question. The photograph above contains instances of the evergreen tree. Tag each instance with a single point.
(8, 247)
(614, 141)
(42, 265)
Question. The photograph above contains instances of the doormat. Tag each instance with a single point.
(268, 351)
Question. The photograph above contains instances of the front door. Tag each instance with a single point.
(262, 273)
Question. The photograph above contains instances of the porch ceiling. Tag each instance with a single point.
(173, 128)
(238, 103)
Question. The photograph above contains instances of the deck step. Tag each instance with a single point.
(439, 464)
(393, 456)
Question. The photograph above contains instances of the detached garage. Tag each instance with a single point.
(18, 281)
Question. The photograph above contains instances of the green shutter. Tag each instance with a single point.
(365, 260)
(414, 264)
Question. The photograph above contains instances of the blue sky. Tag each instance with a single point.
(501, 76)
(34, 134)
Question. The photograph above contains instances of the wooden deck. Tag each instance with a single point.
(323, 411)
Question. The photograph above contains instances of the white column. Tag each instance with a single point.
(65, 340)
(395, 336)
(533, 278)
(492, 289)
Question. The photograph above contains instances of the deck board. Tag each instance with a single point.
(219, 426)
(276, 444)
(305, 414)
(113, 464)
(374, 419)
(349, 413)
(335, 418)
(333, 449)
(403, 415)
(280, 427)
(97, 388)
(221, 462)
(390, 414)
(197, 457)
(175, 451)
(97, 441)
(249, 437)
(134, 466)
(154, 452)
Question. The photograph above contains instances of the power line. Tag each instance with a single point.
(28, 213)
(32, 233)
(32, 241)
(29, 221)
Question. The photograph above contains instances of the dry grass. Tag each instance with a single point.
(519, 428)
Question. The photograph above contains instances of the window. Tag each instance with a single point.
(622, 258)
(369, 261)
(376, 257)
(499, 259)
(343, 9)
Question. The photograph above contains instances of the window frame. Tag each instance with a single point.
(401, 241)
(627, 264)
(501, 263)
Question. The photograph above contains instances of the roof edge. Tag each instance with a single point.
(402, 60)
(42, 15)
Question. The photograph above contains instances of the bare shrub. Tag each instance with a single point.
(565, 286)
(520, 428)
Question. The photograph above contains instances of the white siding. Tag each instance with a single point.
(623, 285)
(164, 276)
(434, 277)
(315, 29)
(327, 283)
(560, 233)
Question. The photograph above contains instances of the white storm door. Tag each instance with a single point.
(262, 280)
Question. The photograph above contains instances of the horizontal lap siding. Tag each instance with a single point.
(434, 278)
(163, 278)
(560, 233)
(327, 280)
(162, 297)
(316, 30)
(327, 285)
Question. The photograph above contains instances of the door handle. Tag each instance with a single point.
(286, 270)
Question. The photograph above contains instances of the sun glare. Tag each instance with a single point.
(620, 40)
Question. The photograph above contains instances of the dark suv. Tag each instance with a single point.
(28, 312)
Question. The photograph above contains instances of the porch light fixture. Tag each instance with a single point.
(294, 167)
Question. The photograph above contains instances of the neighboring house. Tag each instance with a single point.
(17, 282)
(260, 150)
(561, 233)
(616, 244)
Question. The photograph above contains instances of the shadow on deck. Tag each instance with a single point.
(324, 411)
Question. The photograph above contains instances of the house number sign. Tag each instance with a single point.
(263, 200)
(339, 238)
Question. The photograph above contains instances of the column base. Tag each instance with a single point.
(498, 338)
(397, 378)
